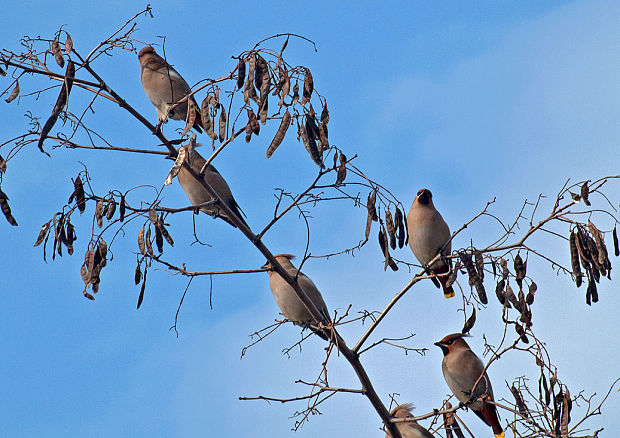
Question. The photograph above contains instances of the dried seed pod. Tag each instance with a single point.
(248, 89)
(70, 237)
(582, 247)
(369, 220)
(614, 235)
(591, 291)
(400, 224)
(308, 87)
(479, 259)
(521, 332)
(574, 258)
(530, 295)
(253, 122)
(452, 274)
(284, 85)
(137, 276)
(342, 174)
(474, 278)
(391, 229)
(85, 275)
(44, 229)
(263, 108)
(505, 272)
(310, 145)
(78, 189)
(165, 233)
(280, 133)
(520, 268)
(325, 115)
(222, 124)
(206, 117)
(142, 288)
(382, 243)
(121, 208)
(176, 167)
(159, 240)
(370, 205)
(190, 119)
(601, 248)
(261, 75)
(523, 410)
(141, 241)
(295, 93)
(585, 193)
(147, 241)
(111, 209)
(153, 216)
(469, 324)
(87, 295)
(499, 291)
(14, 93)
(565, 417)
(99, 213)
(510, 296)
(60, 60)
(68, 44)
(543, 390)
(240, 73)
(102, 249)
(2, 164)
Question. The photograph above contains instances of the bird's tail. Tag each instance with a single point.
(448, 291)
(488, 414)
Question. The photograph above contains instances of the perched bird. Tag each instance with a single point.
(164, 86)
(461, 369)
(197, 194)
(410, 429)
(428, 233)
(291, 306)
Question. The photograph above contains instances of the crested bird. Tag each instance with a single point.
(164, 86)
(410, 429)
(461, 370)
(428, 234)
(290, 304)
(197, 194)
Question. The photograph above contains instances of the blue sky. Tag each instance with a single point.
(503, 100)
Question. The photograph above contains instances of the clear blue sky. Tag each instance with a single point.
(474, 101)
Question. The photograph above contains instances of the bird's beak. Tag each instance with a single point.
(439, 344)
(265, 266)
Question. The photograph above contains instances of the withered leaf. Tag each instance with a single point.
(137, 276)
(176, 167)
(60, 60)
(240, 73)
(44, 229)
(585, 193)
(159, 240)
(280, 133)
(469, 324)
(222, 124)
(14, 93)
(68, 44)
(142, 288)
(141, 241)
(308, 87)
(99, 213)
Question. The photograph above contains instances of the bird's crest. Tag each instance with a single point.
(403, 410)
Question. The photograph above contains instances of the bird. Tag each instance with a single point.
(197, 194)
(410, 429)
(290, 304)
(164, 86)
(461, 369)
(428, 234)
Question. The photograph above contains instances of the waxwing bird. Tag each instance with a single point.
(164, 86)
(428, 233)
(291, 306)
(410, 429)
(197, 194)
(461, 369)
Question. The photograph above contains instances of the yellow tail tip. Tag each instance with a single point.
(448, 294)
(499, 435)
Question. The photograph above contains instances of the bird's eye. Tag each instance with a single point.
(449, 342)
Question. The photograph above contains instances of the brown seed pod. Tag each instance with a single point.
(60, 60)
(510, 296)
(474, 278)
(159, 240)
(88, 295)
(523, 410)
(165, 233)
(520, 269)
(137, 276)
(78, 189)
(205, 115)
(382, 243)
(391, 229)
(310, 145)
(370, 205)
(142, 288)
(141, 244)
(479, 259)
(284, 85)
(325, 115)
(176, 168)
(295, 93)
(505, 272)
(71, 237)
(368, 225)
(240, 73)
(263, 108)
(499, 291)
(121, 208)
(153, 216)
(261, 74)
(469, 324)
(222, 125)
(102, 249)
(614, 235)
(111, 209)
(601, 248)
(248, 90)
(253, 122)
(85, 275)
(190, 119)
(68, 44)
(308, 87)
(521, 332)
(147, 241)
(574, 258)
(400, 224)
(99, 213)
(44, 229)
(565, 417)
(582, 247)
(60, 103)
(530, 295)
(585, 193)
(14, 93)
(591, 291)
(280, 133)
(2, 164)
(342, 174)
